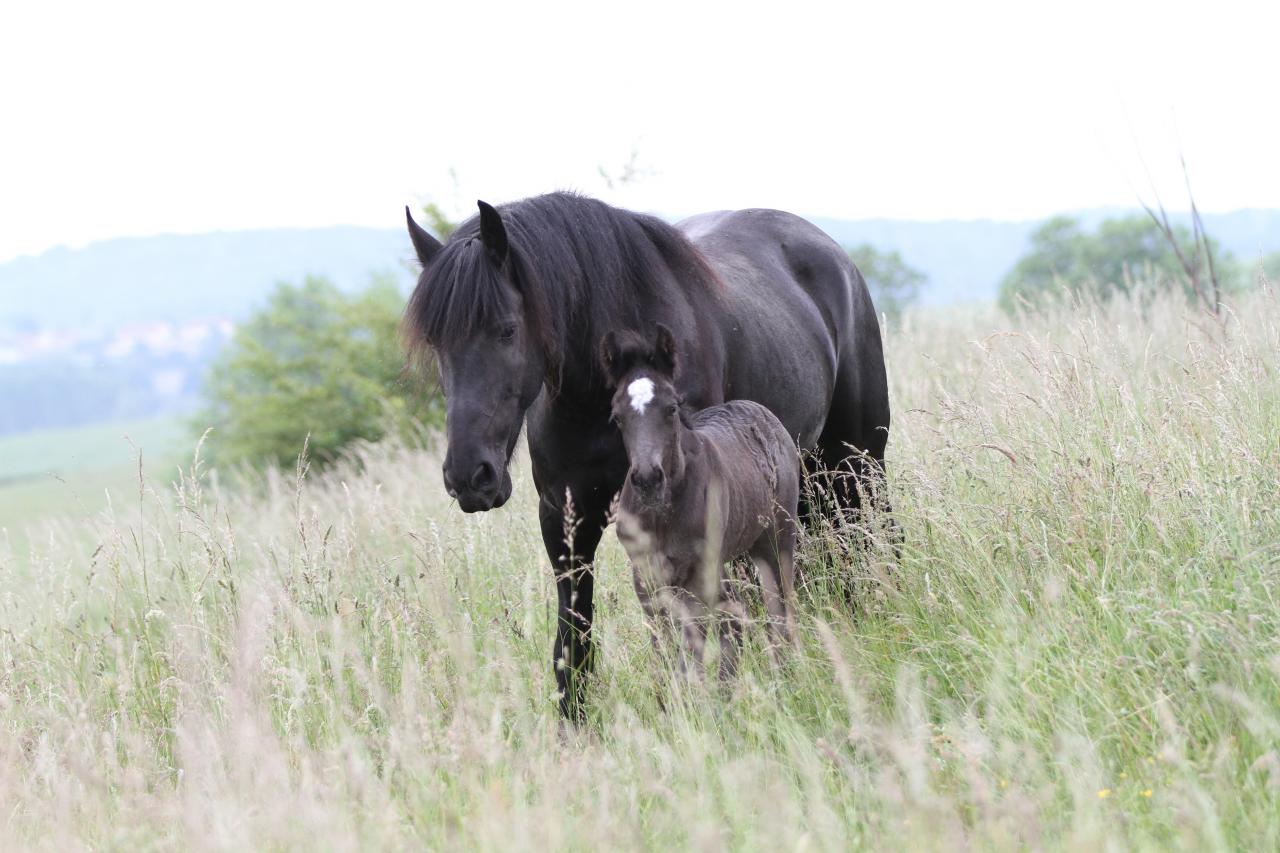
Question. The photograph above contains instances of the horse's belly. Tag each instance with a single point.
(788, 298)
(785, 361)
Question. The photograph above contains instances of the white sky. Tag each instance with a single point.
(124, 118)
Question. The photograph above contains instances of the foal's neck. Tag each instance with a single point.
(686, 448)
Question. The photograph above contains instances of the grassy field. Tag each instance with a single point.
(1077, 648)
(64, 476)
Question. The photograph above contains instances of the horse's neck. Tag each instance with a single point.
(575, 387)
(576, 394)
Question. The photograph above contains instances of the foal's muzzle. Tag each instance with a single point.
(648, 484)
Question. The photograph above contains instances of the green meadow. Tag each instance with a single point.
(61, 475)
(1076, 645)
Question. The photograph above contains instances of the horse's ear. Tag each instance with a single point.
(611, 357)
(664, 351)
(492, 232)
(423, 243)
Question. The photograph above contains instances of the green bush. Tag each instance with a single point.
(1271, 267)
(315, 366)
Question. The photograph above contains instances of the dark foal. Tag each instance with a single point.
(702, 489)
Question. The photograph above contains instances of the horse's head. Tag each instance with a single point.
(646, 408)
(468, 309)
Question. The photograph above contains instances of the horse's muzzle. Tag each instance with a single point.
(486, 488)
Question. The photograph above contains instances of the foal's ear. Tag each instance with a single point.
(423, 243)
(664, 351)
(611, 357)
(493, 234)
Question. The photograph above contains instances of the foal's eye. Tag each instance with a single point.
(671, 410)
(508, 333)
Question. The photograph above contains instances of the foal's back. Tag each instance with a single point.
(754, 466)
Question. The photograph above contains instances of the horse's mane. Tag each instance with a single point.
(582, 267)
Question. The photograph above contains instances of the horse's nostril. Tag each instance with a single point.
(483, 476)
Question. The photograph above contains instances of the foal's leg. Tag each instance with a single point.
(732, 617)
(648, 580)
(690, 615)
(787, 576)
(776, 573)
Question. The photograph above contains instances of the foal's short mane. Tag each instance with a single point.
(582, 267)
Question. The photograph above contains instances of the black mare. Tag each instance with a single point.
(763, 306)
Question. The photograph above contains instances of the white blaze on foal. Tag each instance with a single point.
(640, 392)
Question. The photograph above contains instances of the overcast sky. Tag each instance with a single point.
(124, 118)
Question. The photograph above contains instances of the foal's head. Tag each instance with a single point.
(646, 408)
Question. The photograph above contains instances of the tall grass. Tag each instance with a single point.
(1075, 647)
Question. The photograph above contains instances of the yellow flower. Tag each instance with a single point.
(1124, 775)
(1146, 793)
(1104, 793)
(1004, 783)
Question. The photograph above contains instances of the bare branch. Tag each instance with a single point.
(1202, 241)
(1202, 259)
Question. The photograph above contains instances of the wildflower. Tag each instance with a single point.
(1004, 783)
(1147, 793)
(1104, 793)
(1124, 775)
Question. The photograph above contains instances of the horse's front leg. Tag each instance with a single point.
(571, 542)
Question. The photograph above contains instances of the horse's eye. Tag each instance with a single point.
(507, 333)
(671, 410)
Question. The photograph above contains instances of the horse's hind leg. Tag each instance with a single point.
(849, 458)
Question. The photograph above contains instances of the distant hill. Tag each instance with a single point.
(179, 277)
(176, 278)
(121, 328)
(126, 328)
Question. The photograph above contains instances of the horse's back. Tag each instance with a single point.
(798, 311)
(781, 249)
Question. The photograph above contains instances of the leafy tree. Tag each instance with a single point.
(893, 283)
(438, 221)
(1271, 267)
(314, 362)
(1111, 260)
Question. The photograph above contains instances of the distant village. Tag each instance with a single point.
(190, 338)
(64, 377)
